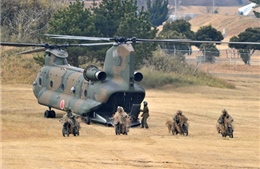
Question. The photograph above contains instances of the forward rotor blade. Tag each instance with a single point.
(32, 51)
(92, 44)
(47, 46)
(77, 37)
(23, 44)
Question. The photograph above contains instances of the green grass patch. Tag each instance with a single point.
(159, 79)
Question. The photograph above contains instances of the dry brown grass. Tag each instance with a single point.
(233, 24)
(30, 141)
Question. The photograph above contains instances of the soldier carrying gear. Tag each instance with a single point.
(70, 116)
(144, 115)
(121, 121)
(177, 116)
(221, 120)
(120, 115)
(177, 121)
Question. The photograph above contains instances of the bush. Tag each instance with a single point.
(16, 68)
(164, 70)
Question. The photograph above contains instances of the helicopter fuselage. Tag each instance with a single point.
(90, 92)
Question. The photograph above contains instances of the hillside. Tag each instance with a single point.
(227, 19)
(232, 24)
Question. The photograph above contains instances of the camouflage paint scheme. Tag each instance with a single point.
(95, 94)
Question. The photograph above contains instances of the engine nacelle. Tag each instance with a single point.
(138, 76)
(91, 72)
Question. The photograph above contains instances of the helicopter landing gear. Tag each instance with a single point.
(87, 119)
(49, 113)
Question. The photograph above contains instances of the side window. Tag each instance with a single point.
(85, 93)
(51, 83)
(40, 81)
(62, 87)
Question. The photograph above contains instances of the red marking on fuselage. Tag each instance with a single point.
(62, 103)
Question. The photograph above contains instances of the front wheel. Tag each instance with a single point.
(117, 129)
(230, 131)
(49, 114)
(65, 132)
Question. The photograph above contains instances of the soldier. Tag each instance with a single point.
(176, 119)
(121, 121)
(70, 116)
(221, 120)
(144, 115)
(120, 115)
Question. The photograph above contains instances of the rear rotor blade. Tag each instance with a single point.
(194, 41)
(124, 40)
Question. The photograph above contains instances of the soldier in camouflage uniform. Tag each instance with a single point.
(69, 117)
(176, 120)
(221, 120)
(176, 117)
(121, 121)
(144, 115)
(120, 115)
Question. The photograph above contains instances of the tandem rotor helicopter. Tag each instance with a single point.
(91, 93)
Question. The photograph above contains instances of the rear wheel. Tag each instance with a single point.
(52, 114)
(87, 120)
(185, 130)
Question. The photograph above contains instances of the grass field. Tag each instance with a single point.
(30, 141)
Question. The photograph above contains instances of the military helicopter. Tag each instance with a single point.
(91, 93)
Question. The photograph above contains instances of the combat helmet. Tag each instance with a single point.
(120, 109)
(224, 112)
(67, 109)
(179, 112)
(145, 103)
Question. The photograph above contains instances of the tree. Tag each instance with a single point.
(208, 33)
(245, 50)
(257, 14)
(240, 2)
(178, 29)
(138, 25)
(109, 19)
(122, 18)
(109, 14)
(158, 11)
(24, 20)
(73, 20)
